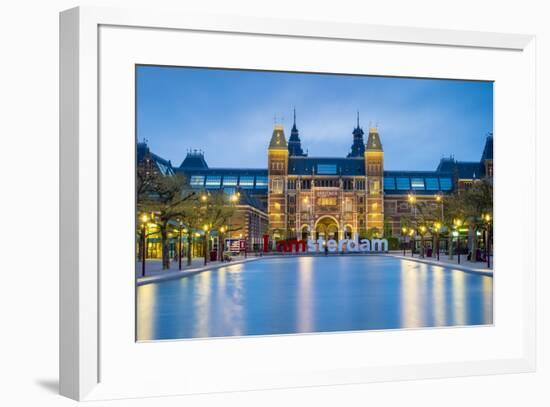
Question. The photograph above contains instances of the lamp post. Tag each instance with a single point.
(403, 234)
(412, 201)
(180, 244)
(221, 243)
(487, 219)
(437, 228)
(455, 234)
(422, 230)
(411, 234)
(144, 220)
(457, 223)
(205, 228)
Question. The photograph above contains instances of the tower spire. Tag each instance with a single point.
(358, 146)
(294, 143)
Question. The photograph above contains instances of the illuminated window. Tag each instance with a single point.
(246, 181)
(277, 186)
(417, 183)
(446, 184)
(389, 183)
(348, 205)
(213, 181)
(403, 183)
(326, 169)
(432, 184)
(277, 165)
(229, 181)
(261, 181)
(197, 180)
(374, 187)
(326, 201)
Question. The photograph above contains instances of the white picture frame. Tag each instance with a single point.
(87, 373)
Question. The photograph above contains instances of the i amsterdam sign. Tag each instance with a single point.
(342, 246)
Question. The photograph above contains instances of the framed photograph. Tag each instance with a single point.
(256, 204)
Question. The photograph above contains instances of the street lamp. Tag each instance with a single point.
(457, 235)
(403, 234)
(437, 228)
(422, 230)
(180, 243)
(487, 219)
(411, 234)
(221, 243)
(144, 220)
(205, 228)
(458, 223)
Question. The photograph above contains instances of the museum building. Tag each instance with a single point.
(302, 197)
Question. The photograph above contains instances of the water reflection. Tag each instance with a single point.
(459, 303)
(201, 305)
(313, 294)
(487, 292)
(438, 297)
(305, 301)
(147, 315)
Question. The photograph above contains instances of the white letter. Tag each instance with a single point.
(311, 245)
(341, 243)
(332, 245)
(365, 245)
(353, 245)
(320, 242)
(380, 245)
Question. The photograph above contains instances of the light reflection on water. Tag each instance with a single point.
(313, 294)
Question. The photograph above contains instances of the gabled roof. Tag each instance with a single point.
(222, 171)
(468, 170)
(278, 140)
(373, 142)
(488, 149)
(162, 165)
(462, 169)
(446, 164)
(194, 159)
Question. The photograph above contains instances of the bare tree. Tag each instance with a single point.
(164, 198)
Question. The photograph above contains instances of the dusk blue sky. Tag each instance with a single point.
(229, 114)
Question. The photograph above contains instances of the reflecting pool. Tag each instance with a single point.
(313, 294)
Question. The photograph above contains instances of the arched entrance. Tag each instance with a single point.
(326, 227)
(348, 232)
(304, 232)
